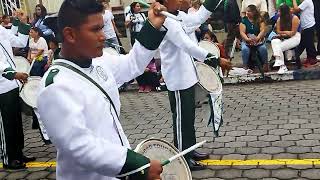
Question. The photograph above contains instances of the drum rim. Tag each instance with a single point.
(204, 41)
(217, 77)
(174, 148)
(22, 94)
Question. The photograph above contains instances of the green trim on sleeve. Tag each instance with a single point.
(9, 73)
(24, 28)
(50, 77)
(133, 162)
(150, 37)
(210, 5)
(16, 22)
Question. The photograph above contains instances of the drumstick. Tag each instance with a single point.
(169, 15)
(166, 162)
(31, 66)
(183, 153)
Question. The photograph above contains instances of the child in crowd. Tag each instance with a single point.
(37, 52)
(149, 80)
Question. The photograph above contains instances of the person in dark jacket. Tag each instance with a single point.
(232, 19)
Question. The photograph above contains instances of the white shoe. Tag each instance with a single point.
(278, 63)
(318, 57)
(283, 69)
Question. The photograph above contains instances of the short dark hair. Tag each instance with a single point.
(38, 30)
(73, 13)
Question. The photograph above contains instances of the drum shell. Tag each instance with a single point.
(30, 101)
(22, 64)
(144, 145)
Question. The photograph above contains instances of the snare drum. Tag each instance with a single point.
(161, 150)
(29, 91)
(209, 82)
(22, 64)
(110, 51)
(210, 47)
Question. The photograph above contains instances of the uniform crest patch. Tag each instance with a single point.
(101, 73)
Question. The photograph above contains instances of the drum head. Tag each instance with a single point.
(210, 47)
(208, 78)
(110, 51)
(161, 150)
(22, 64)
(29, 92)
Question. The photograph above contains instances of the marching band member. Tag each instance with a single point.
(12, 140)
(79, 99)
(177, 52)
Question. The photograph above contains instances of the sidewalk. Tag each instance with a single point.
(273, 76)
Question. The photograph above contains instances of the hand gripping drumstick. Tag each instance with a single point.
(166, 162)
(169, 15)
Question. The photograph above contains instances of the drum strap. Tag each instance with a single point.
(97, 85)
(8, 56)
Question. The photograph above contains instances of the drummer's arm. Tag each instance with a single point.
(127, 67)
(62, 112)
(178, 37)
(22, 30)
(202, 15)
(5, 70)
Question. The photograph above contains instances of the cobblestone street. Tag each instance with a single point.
(261, 122)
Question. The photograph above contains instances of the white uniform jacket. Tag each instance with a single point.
(177, 50)
(8, 39)
(80, 120)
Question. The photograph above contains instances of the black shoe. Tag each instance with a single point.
(27, 159)
(195, 166)
(14, 165)
(199, 156)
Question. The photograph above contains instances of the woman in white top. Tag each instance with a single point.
(38, 50)
(288, 36)
(135, 20)
(110, 30)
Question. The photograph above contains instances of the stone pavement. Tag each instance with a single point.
(262, 121)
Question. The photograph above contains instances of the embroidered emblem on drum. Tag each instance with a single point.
(101, 73)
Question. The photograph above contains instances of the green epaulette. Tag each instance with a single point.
(50, 77)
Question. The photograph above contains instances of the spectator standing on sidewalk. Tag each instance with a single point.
(110, 30)
(317, 18)
(306, 10)
(232, 19)
(39, 16)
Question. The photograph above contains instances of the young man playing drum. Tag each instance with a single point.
(177, 52)
(79, 99)
(12, 140)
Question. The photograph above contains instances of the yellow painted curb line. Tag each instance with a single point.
(38, 164)
(256, 162)
(211, 162)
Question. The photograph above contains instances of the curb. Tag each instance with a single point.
(302, 74)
